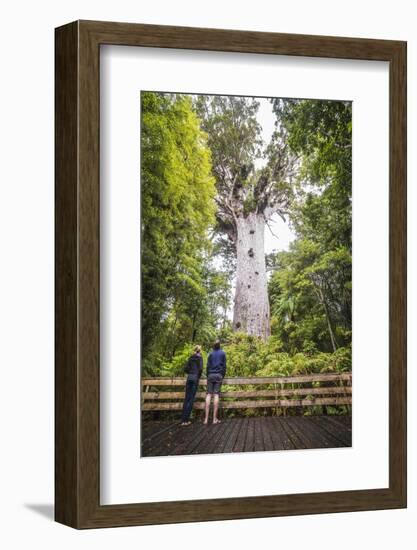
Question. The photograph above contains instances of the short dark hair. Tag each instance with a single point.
(216, 344)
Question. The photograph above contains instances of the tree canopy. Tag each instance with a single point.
(234, 138)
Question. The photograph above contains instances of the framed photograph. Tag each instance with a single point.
(230, 274)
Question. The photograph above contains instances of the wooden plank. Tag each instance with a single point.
(241, 438)
(338, 434)
(148, 427)
(279, 438)
(160, 443)
(305, 441)
(250, 436)
(208, 443)
(200, 437)
(340, 429)
(334, 390)
(266, 435)
(246, 435)
(344, 420)
(237, 424)
(289, 439)
(282, 403)
(255, 380)
(221, 444)
(190, 436)
(166, 442)
(282, 439)
(173, 441)
(320, 438)
(157, 428)
(334, 401)
(259, 438)
(167, 406)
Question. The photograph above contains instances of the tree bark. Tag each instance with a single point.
(251, 305)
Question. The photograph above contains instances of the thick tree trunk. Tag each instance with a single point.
(251, 307)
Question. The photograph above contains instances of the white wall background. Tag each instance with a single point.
(26, 274)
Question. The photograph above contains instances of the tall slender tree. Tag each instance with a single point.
(253, 183)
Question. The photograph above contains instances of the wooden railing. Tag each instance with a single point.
(280, 391)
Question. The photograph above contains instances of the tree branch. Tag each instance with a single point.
(270, 229)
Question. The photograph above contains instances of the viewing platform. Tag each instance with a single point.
(233, 435)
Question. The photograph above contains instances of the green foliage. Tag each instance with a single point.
(311, 291)
(249, 204)
(310, 295)
(234, 135)
(320, 132)
(177, 211)
(175, 367)
(250, 356)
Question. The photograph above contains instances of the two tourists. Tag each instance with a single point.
(216, 370)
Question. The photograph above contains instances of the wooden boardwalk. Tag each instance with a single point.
(233, 435)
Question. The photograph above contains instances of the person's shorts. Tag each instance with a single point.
(214, 383)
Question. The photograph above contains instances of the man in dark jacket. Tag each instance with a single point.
(193, 368)
(216, 370)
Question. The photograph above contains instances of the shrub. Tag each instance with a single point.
(250, 356)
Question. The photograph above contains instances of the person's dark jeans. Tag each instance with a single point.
(190, 391)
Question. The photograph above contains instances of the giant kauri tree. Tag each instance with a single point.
(253, 184)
